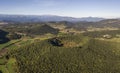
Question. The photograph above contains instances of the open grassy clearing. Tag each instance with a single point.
(3, 61)
(3, 69)
(110, 40)
(5, 45)
(7, 66)
(14, 44)
(11, 65)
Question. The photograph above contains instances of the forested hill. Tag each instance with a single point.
(32, 30)
(40, 30)
(69, 54)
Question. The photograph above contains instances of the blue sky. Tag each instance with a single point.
(73, 8)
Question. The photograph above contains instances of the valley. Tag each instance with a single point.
(60, 47)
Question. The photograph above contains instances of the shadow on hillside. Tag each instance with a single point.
(1, 71)
(3, 38)
(55, 42)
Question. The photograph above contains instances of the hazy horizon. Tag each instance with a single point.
(69, 8)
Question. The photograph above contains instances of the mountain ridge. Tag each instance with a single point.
(46, 18)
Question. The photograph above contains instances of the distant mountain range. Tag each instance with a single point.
(45, 18)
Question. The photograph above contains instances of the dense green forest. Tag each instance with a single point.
(91, 56)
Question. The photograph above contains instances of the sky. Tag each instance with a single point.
(72, 8)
